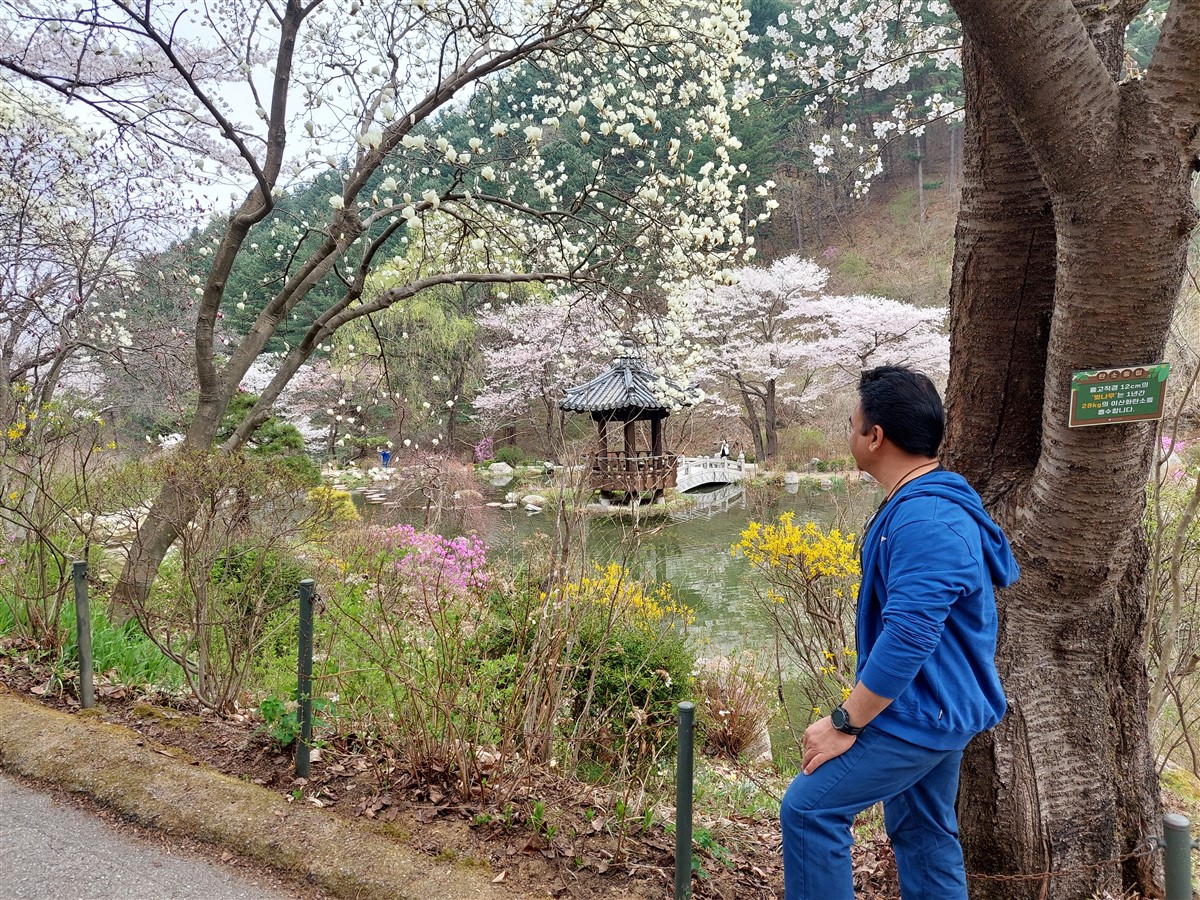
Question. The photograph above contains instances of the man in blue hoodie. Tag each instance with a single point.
(926, 680)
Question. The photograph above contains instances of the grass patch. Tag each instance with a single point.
(851, 266)
(731, 790)
(127, 652)
(885, 253)
(901, 207)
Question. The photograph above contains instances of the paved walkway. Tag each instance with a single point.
(53, 851)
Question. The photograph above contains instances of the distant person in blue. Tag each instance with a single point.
(926, 681)
(385, 457)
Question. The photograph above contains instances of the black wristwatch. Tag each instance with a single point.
(841, 721)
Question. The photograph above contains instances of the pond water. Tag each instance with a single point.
(691, 549)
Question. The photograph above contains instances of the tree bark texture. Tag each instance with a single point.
(1070, 252)
(749, 398)
(771, 420)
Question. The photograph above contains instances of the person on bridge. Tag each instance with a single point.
(926, 679)
(724, 453)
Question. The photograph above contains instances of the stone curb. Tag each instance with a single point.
(120, 769)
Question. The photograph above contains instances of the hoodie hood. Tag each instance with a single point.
(952, 486)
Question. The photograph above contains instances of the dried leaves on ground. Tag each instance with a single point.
(541, 836)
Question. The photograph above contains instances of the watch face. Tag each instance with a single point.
(841, 721)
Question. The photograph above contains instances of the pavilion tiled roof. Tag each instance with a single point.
(626, 384)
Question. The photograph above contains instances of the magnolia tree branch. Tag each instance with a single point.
(337, 316)
(166, 45)
(346, 224)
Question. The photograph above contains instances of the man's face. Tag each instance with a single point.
(859, 442)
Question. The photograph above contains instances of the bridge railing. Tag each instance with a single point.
(693, 471)
(714, 463)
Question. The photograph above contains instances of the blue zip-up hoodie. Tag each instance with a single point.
(927, 612)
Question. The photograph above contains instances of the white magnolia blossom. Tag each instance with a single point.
(837, 50)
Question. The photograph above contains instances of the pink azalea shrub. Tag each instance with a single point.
(484, 449)
(436, 565)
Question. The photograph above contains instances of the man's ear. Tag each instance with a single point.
(876, 433)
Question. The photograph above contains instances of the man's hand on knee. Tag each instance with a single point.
(823, 742)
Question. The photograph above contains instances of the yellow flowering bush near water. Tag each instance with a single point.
(630, 663)
(642, 606)
(807, 581)
(806, 549)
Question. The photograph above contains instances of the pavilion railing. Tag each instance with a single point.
(643, 470)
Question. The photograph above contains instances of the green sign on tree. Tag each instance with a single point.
(1123, 394)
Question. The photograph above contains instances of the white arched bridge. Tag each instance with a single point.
(693, 471)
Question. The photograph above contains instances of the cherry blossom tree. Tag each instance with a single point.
(775, 337)
(357, 90)
(536, 350)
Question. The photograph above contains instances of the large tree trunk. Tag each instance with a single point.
(751, 421)
(771, 420)
(172, 509)
(1047, 282)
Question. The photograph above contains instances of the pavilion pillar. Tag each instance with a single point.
(602, 435)
(656, 436)
(630, 442)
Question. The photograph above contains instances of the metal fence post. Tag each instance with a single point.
(683, 802)
(1177, 861)
(304, 662)
(83, 634)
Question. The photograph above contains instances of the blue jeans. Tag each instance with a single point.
(918, 788)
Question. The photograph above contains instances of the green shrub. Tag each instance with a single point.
(511, 454)
(631, 664)
(269, 574)
(336, 507)
(634, 678)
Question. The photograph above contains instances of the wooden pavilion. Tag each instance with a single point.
(627, 394)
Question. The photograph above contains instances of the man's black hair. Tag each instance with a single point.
(906, 405)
